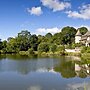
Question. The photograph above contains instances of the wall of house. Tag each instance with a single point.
(88, 38)
(77, 39)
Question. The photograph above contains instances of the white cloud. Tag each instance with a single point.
(55, 5)
(35, 11)
(84, 12)
(43, 31)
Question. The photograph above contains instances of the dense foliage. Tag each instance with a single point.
(24, 42)
(83, 30)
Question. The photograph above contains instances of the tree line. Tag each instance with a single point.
(25, 42)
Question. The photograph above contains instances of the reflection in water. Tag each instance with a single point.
(24, 73)
(66, 68)
(63, 65)
(82, 70)
(34, 88)
(28, 65)
(71, 68)
(79, 86)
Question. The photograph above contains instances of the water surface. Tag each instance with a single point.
(24, 73)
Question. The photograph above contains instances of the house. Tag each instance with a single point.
(85, 39)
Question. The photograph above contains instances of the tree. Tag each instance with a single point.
(24, 33)
(68, 35)
(4, 44)
(43, 47)
(9, 39)
(42, 39)
(57, 38)
(53, 47)
(0, 44)
(23, 40)
(48, 35)
(34, 42)
(12, 46)
(83, 30)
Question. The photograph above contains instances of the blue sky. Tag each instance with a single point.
(42, 16)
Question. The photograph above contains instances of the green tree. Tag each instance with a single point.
(23, 40)
(12, 46)
(68, 35)
(57, 38)
(48, 35)
(83, 30)
(43, 47)
(61, 49)
(4, 44)
(0, 44)
(42, 39)
(24, 33)
(9, 39)
(34, 42)
(53, 47)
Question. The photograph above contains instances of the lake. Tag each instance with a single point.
(43, 73)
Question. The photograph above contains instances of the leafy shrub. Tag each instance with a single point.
(84, 49)
(22, 52)
(61, 49)
(30, 51)
(88, 50)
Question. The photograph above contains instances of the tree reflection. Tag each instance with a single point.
(67, 67)
(72, 68)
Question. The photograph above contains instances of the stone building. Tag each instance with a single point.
(78, 37)
(85, 39)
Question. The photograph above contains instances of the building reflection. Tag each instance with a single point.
(79, 86)
(70, 69)
(82, 70)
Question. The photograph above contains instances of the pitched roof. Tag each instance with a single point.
(87, 33)
(78, 33)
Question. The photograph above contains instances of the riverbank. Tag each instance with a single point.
(32, 53)
(57, 53)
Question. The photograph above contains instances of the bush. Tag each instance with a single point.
(88, 50)
(60, 48)
(78, 44)
(22, 52)
(73, 45)
(3, 51)
(30, 51)
(69, 46)
(84, 49)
